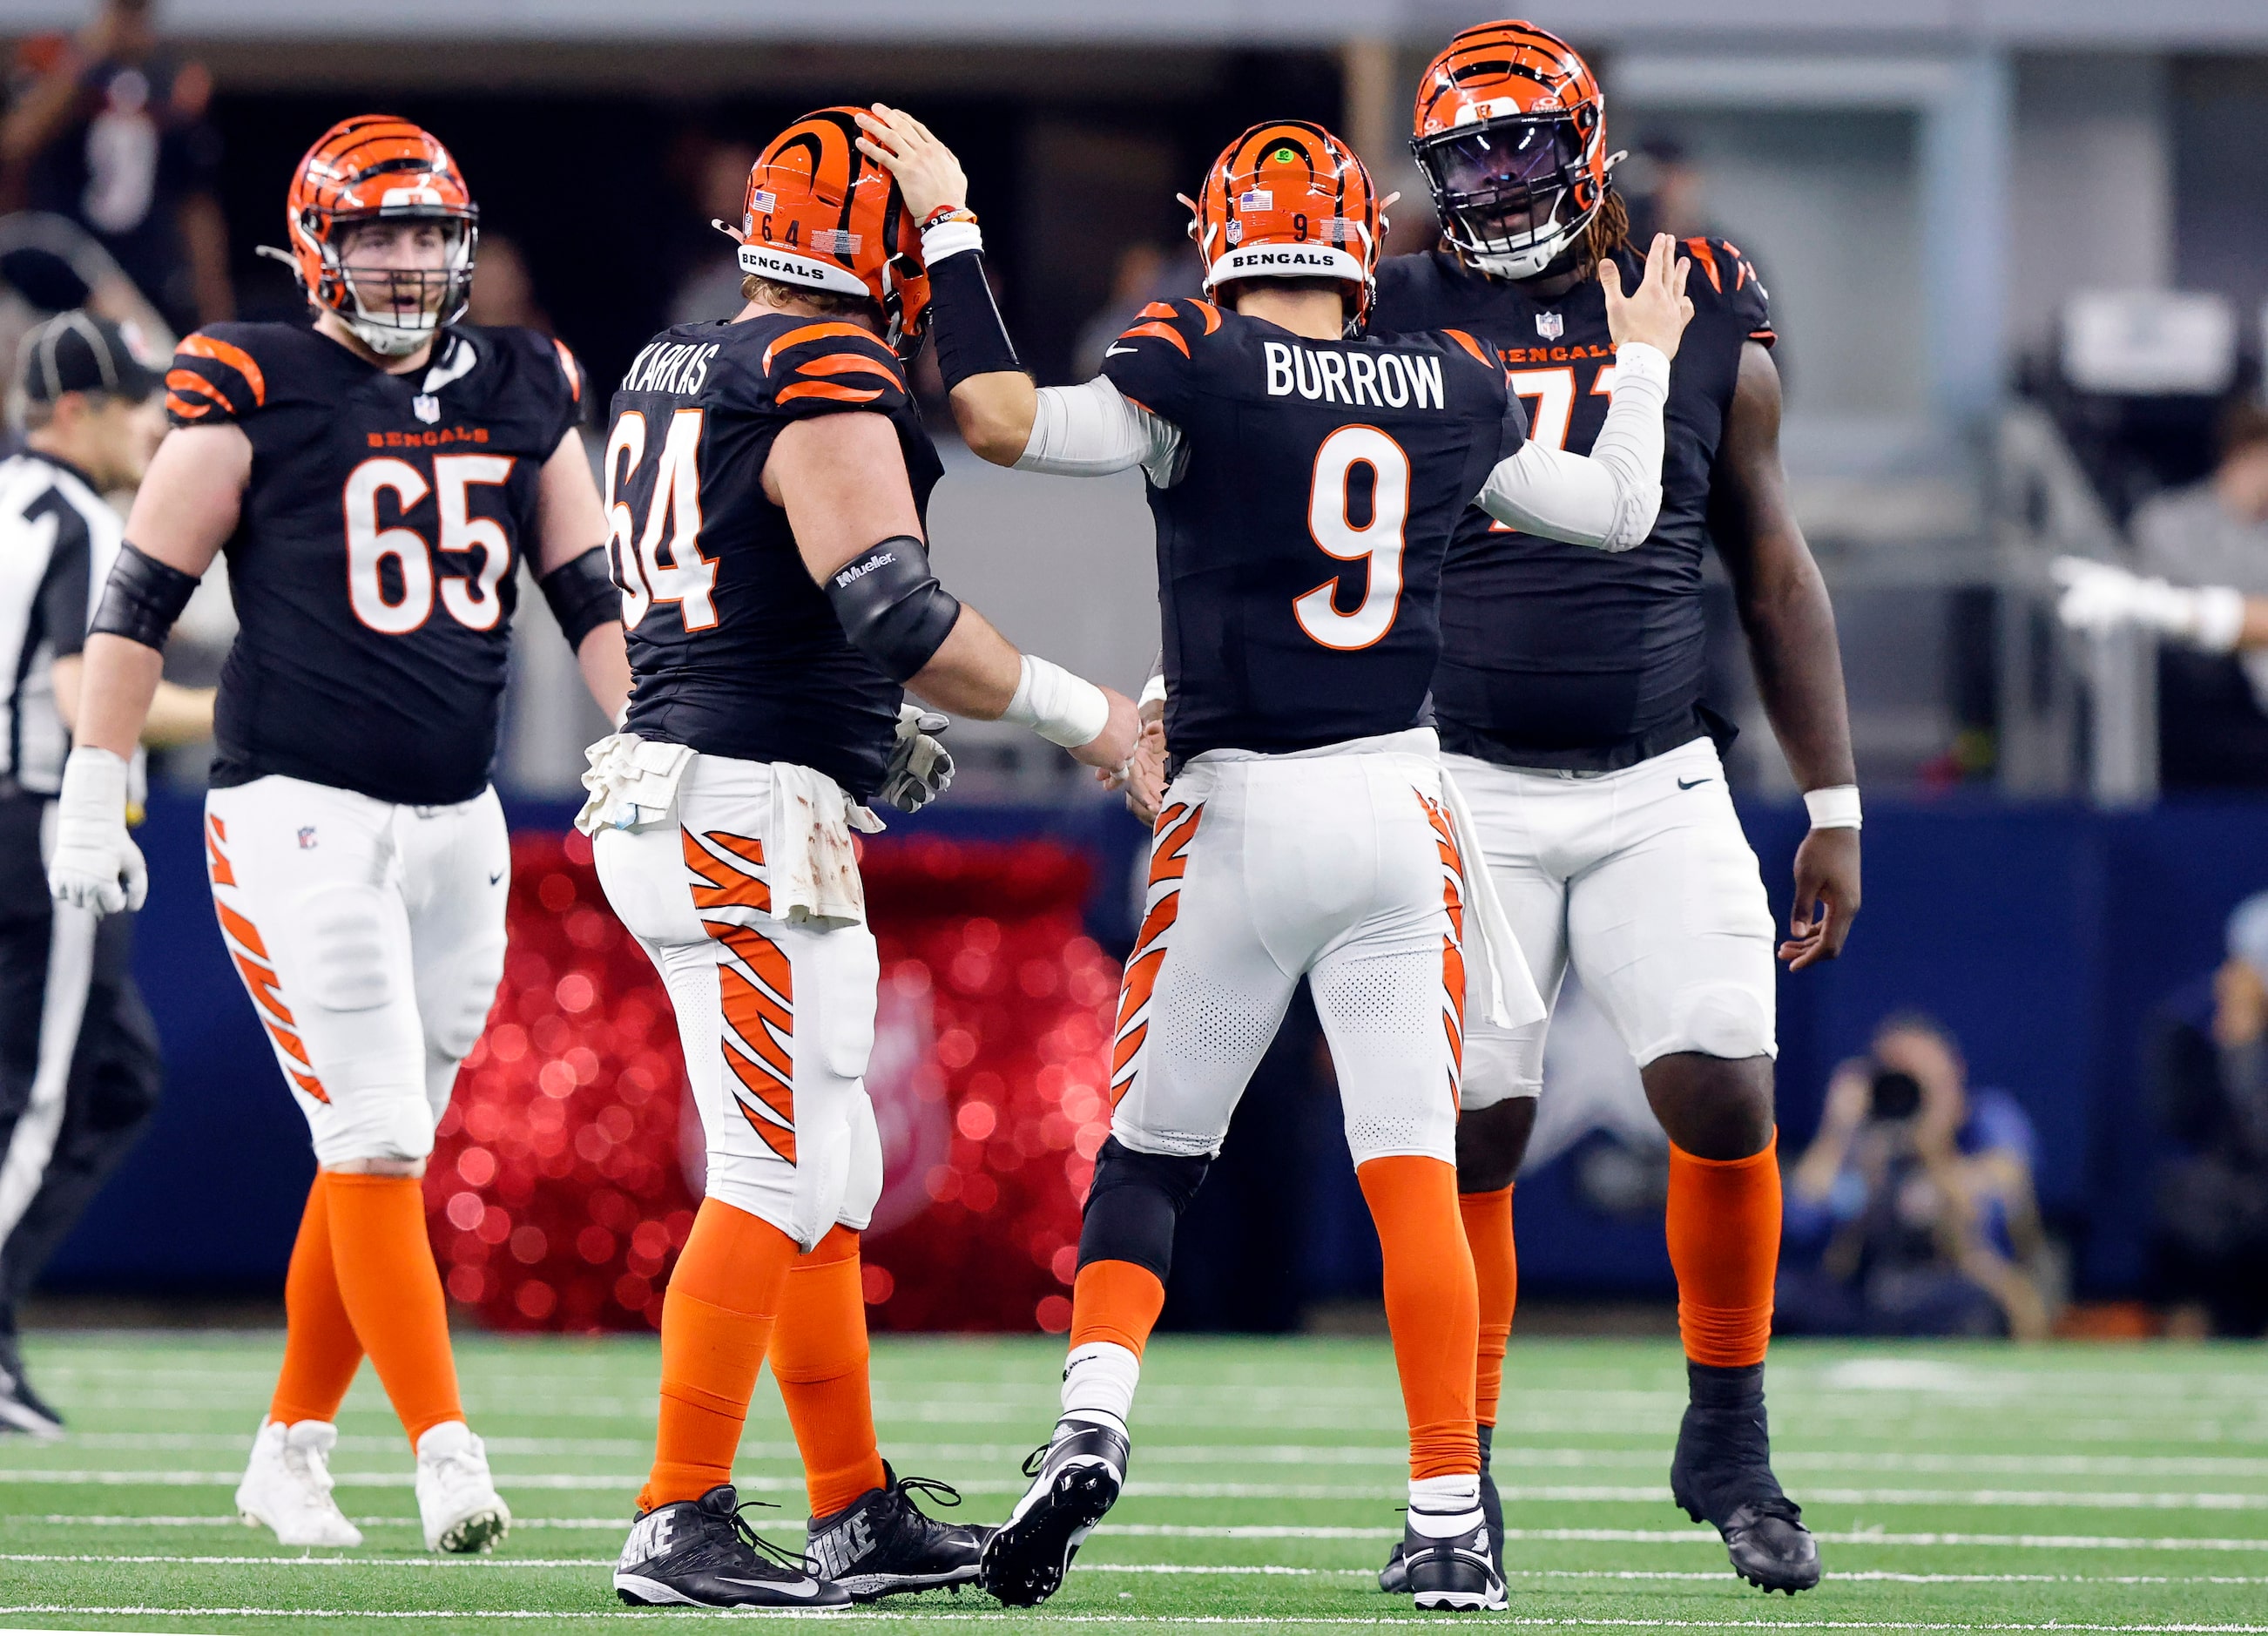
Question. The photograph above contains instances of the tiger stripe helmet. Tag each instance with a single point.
(376, 167)
(822, 214)
(1289, 199)
(1510, 131)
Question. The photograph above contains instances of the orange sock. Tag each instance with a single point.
(1723, 1225)
(1431, 1307)
(1117, 1301)
(716, 1321)
(819, 1358)
(320, 1352)
(392, 1291)
(1496, 1274)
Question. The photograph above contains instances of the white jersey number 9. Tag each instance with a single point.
(1378, 540)
(471, 599)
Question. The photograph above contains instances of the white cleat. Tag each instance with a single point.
(456, 1499)
(287, 1487)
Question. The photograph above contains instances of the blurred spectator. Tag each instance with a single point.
(2216, 532)
(2209, 1074)
(504, 291)
(1145, 273)
(110, 132)
(1912, 1213)
(720, 189)
(1661, 188)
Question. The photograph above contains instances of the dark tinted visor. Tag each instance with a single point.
(1506, 154)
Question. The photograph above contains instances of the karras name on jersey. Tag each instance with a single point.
(374, 561)
(1300, 539)
(734, 648)
(1556, 655)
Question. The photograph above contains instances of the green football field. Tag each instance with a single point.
(2095, 1488)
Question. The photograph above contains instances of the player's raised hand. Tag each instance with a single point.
(927, 173)
(1655, 312)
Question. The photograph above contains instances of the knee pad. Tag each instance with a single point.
(1718, 1020)
(862, 1187)
(463, 1012)
(349, 956)
(1134, 1204)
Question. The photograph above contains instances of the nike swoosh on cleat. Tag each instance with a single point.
(807, 1587)
(1696, 785)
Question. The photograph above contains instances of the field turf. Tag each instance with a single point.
(2101, 1489)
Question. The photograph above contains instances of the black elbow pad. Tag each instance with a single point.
(891, 605)
(142, 598)
(583, 595)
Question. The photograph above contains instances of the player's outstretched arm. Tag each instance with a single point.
(1798, 660)
(2099, 598)
(570, 571)
(1609, 498)
(841, 479)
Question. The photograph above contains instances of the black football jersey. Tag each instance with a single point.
(1557, 655)
(374, 563)
(734, 649)
(1299, 552)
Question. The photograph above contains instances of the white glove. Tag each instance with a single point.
(920, 769)
(96, 864)
(2099, 598)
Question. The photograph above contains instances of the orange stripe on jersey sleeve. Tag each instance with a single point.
(189, 380)
(814, 332)
(1707, 258)
(570, 369)
(1164, 332)
(850, 363)
(824, 389)
(1473, 346)
(235, 357)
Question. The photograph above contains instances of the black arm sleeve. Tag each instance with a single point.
(892, 607)
(583, 595)
(971, 339)
(142, 599)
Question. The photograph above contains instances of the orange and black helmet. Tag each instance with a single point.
(1510, 131)
(822, 214)
(376, 167)
(1289, 199)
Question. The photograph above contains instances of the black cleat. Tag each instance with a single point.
(1075, 1479)
(1394, 1577)
(882, 1543)
(1722, 1475)
(698, 1553)
(1452, 1574)
(22, 1409)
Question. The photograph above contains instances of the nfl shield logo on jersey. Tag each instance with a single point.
(428, 408)
(1550, 325)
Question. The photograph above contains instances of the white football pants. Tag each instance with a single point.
(371, 938)
(1642, 881)
(777, 1020)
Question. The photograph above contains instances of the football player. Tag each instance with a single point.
(767, 478)
(377, 481)
(1569, 703)
(1306, 479)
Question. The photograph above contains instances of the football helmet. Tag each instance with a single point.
(376, 167)
(822, 214)
(1289, 199)
(1510, 131)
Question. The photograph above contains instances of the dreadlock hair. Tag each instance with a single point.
(1610, 229)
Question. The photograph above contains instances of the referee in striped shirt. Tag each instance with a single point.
(79, 1068)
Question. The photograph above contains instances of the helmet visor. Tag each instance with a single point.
(1502, 184)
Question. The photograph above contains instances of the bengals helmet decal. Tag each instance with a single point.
(1289, 199)
(1510, 131)
(376, 167)
(822, 214)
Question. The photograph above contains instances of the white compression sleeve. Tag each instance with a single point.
(1609, 498)
(1093, 430)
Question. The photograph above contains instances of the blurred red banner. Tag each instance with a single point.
(565, 1173)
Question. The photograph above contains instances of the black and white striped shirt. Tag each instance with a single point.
(58, 539)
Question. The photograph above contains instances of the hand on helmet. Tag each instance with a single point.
(1657, 311)
(928, 175)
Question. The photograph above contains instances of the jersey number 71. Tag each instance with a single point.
(687, 578)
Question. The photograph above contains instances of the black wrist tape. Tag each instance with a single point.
(142, 598)
(583, 595)
(965, 322)
(892, 607)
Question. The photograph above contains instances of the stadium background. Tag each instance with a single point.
(1925, 189)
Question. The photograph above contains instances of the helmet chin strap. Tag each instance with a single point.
(389, 340)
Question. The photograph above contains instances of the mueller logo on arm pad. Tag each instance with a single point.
(865, 565)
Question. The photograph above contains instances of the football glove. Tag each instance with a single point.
(2099, 598)
(921, 768)
(96, 864)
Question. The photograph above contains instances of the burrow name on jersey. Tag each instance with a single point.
(673, 367)
(1382, 379)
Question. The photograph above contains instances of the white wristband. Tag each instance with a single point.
(1153, 690)
(2218, 618)
(949, 237)
(1061, 708)
(1834, 808)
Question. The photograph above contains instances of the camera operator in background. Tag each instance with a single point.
(1912, 1213)
(2209, 1078)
